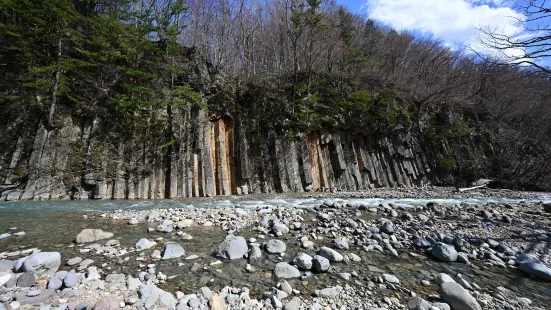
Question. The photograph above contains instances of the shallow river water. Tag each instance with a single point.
(53, 225)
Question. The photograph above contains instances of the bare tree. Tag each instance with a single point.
(529, 48)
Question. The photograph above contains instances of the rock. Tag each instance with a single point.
(206, 292)
(285, 271)
(329, 292)
(70, 279)
(74, 261)
(422, 243)
(321, 264)
(355, 258)
(33, 293)
(443, 278)
(145, 244)
(5, 277)
(233, 247)
(331, 254)
(172, 250)
(418, 303)
(133, 221)
(390, 278)
(23, 299)
(441, 306)
(462, 257)
(350, 223)
(116, 278)
(341, 243)
(217, 303)
(6, 265)
(92, 235)
(26, 280)
(280, 229)
(307, 244)
(387, 228)
(458, 297)
(303, 261)
(42, 263)
(254, 253)
(107, 303)
(444, 252)
(275, 246)
(4, 236)
(293, 304)
(533, 266)
(154, 297)
(55, 283)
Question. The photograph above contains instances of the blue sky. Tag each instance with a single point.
(456, 22)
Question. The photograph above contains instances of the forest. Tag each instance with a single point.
(294, 65)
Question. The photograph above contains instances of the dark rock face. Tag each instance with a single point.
(222, 153)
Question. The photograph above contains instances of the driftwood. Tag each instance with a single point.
(470, 188)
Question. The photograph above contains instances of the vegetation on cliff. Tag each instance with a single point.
(287, 65)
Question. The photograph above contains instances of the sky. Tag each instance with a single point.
(456, 22)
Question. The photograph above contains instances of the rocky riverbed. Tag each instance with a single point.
(384, 249)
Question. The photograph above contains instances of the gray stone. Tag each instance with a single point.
(254, 253)
(5, 277)
(44, 295)
(387, 228)
(70, 279)
(285, 271)
(133, 221)
(293, 304)
(458, 297)
(280, 229)
(74, 261)
(533, 266)
(443, 278)
(329, 292)
(303, 261)
(444, 252)
(233, 247)
(422, 243)
(441, 306)
(275, 246)
(350, 223)
(390, 278)
(331, 254)
(341, 243)
(55, 283)
(42, 263)
(144, 244)
(133, 284)
(6, 265)
(462, 257)
(92, 235)
(172, 250)
(206, 292)
(321, 264)
(154, 297)
(4, 236)
(418, 303)
(26, 280)
(115, 278)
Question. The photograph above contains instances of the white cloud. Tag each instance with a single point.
(456, 22)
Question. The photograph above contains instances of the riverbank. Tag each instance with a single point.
(308, 251)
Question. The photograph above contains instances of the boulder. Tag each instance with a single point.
(145, 244)
(303, 261)
(233, 247)
(172, 250)
(443, 278)
(153, 297)
(331, 254)
(280, 229)
(387, 228)
(457, 297)
(533, 266)
(6, 265)
(418, 303)
(275, 246)
(42, 263)
(444, 252)
(26, 280)
(286, 271)
(92, 235)
(321, 264)
(254, 253)
(341, 243)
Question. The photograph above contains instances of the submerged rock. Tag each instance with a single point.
(92, 235)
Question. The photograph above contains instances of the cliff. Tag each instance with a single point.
(221, 148)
